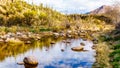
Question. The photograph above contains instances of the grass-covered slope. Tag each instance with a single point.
(36, 18)
(22, 14)
(90, 22)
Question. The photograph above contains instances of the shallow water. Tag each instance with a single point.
(54, 57)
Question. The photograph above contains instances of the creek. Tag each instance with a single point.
(58, 55)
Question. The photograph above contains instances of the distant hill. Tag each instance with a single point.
(101, 10)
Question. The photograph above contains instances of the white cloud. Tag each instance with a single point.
(74, 5)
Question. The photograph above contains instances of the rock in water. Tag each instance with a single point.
(82, 44)
(78, 48)
(95, 41)
(20, 63)
(62, 50)
(28, 42)
(30, 62)
(53, 42)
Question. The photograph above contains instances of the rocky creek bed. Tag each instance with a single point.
(56, 55)
(81, 44)
(28, 37)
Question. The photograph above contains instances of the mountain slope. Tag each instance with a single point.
(101, 10)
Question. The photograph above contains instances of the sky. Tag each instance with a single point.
(73, 6)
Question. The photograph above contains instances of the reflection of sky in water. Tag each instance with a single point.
(55, 58)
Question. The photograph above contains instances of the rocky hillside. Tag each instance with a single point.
(101, 10)
(21, 14)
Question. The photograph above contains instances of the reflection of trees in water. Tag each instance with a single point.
(7, 50)
(12, 50)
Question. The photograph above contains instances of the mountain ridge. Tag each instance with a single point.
(101, 10)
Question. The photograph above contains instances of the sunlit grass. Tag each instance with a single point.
(102, 58)
(15, 42)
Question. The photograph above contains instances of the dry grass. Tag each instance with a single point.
(102, 57)
(15, 42)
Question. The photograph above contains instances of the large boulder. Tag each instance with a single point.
(30, 62)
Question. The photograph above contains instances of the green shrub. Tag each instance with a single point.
(116, 59)
(44, 29)
(11, 29)
(14, 20)
(106, 38)
(2, 29)
(42, 15)
(2, 20)
(115, 53)
(116, 65)
(117, 46)
(29, 17)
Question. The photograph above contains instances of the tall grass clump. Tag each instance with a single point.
(102, 58)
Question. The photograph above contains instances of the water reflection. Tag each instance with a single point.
(13, 49)
(51, 56)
